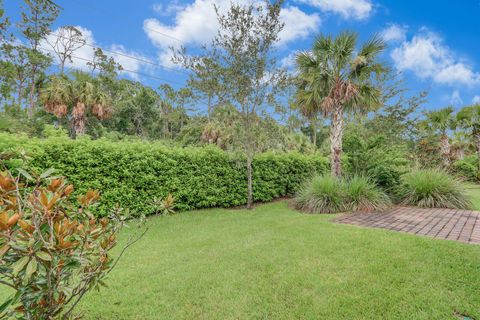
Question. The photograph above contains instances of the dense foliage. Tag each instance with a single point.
(432, 188)
(51, 252)
(133, 174)
(327, 194)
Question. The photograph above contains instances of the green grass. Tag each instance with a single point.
(274, 263)
(473, 190)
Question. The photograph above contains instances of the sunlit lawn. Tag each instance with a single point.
(474, 192)
(274, 263)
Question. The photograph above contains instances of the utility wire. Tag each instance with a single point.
(121, 54)
(132, 71)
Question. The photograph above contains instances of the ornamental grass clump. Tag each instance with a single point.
(322, 194)
(432, 188)
(327, 194)
(364, 195)
(52, 251)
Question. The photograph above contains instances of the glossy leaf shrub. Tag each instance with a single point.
(133, 174)
(51, 252)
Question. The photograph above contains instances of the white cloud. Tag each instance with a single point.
(196, 24)
(86, 53)
(167, 10)
(476, 100)
(394, 32)
(428, 58)
(289, 60)
(355, 9)
(455, 98)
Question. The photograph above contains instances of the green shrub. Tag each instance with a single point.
(364, 195)
(133, 173)
(322, 194)
(467, 168)
(325, 194)
(432, 188)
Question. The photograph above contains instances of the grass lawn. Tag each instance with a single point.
(274, 263)
(474, 191)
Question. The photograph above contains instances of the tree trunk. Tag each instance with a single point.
(78, 119)
(336, 136)
(249, 182)
(445, 150)
(32, 94)
(314, 134)
(476, 138)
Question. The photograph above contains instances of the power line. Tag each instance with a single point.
(135, 72)
(126, 70)
(121, 54)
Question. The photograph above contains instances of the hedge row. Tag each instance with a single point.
(132, 174)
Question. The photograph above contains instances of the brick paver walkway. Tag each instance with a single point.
(459, 225)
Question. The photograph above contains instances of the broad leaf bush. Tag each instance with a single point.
(432, 188)
(133, 174)
(326, 194)
(51, 252)
(467, 168)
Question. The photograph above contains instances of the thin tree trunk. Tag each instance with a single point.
(445, 150)
(32, 94)
(249, 182)
(209, 107)
(314, 135)
(476, 137)
(336, 136)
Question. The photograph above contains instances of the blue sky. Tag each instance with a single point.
(434, 44)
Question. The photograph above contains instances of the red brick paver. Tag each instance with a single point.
(451, 224)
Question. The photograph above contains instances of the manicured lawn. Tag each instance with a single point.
(274, 263)
(474, 192)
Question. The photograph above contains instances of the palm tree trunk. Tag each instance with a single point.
(445, 150)
(314, 134)
(336, 136)
(78, 119)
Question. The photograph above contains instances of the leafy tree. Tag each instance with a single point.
(440, 121)
(136, 110)
(51, 251)
(107, 66)
(247, 70)
(37, 18)
(469, 119)
(204, 80)
(334, 78)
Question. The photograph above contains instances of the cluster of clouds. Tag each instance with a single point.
(196, 23)
(427, 56)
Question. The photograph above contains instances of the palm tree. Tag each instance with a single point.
(469, 119)
(334, 78)
(441, 121)
(76, 98)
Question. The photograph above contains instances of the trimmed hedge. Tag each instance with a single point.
(132, 174)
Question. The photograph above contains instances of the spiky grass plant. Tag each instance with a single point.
(322, 194)
(432, 188)
(363, 195)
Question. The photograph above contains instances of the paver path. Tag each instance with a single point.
(452, 224)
